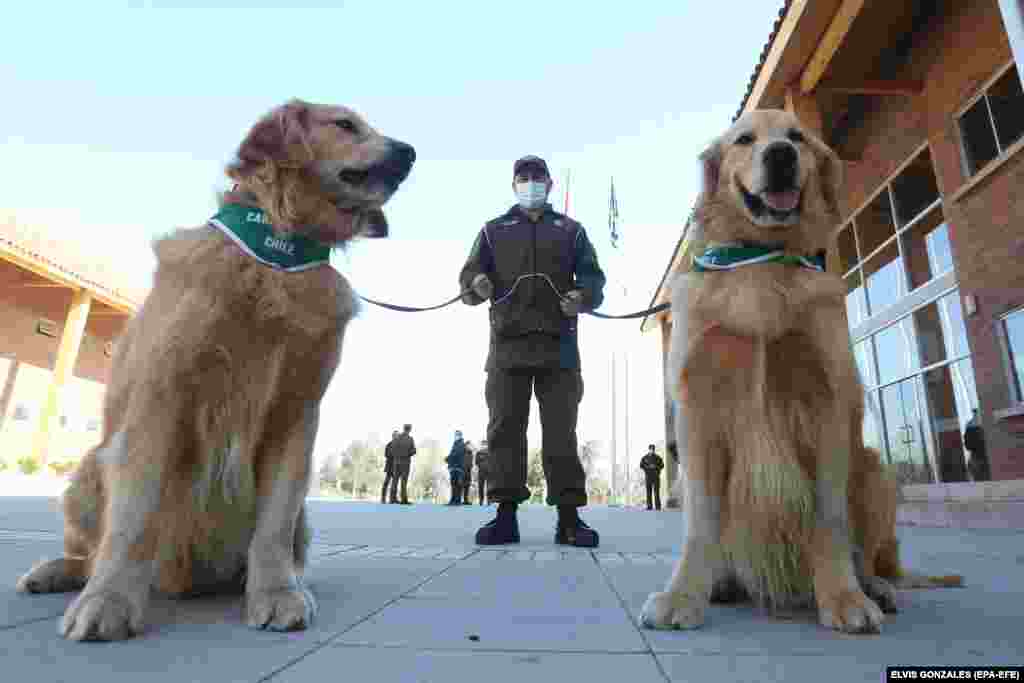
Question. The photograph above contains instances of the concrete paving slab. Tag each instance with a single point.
(444, 666)
(17, 557)
(205, 639)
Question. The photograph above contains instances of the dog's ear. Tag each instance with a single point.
(710, 165)
(280, 138)
(830, 174)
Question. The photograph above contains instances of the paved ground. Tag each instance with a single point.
(405, 596)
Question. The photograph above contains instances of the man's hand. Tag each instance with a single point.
(482, 286)
(573, 303)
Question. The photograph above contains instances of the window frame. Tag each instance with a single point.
(982, 93)
(1016, 390)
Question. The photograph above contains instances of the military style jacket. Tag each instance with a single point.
(403, 448)
(528, 328)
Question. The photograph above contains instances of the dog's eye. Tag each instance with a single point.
(745, 139)
(346, 125)
(795, 136)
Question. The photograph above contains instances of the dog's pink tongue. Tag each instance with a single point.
(781, 201)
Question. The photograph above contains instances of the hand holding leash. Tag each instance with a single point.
(482, 286)
(572, 303)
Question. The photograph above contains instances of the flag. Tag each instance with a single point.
(613, 217)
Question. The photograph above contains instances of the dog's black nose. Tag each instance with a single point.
(780, 161)
(403, 152)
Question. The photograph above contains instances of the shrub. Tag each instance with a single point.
(28, 465)
(62, 468)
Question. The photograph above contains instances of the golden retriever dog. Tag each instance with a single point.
(199, 483)
(784, 504)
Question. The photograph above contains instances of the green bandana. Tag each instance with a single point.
(250, 229)
(730, 256)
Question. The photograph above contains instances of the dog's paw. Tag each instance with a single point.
(285, 609)
(672, 611)
(882, 592)
(103, 615)
(850, 612)
(54, 576)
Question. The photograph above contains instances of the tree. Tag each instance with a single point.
(535, 480)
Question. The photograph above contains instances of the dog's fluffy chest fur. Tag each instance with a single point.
(762, 301)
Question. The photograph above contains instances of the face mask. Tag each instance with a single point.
(531, 195)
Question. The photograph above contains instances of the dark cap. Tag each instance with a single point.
(530, 160)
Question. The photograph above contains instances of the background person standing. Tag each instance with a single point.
(652, 464)
(482, 468)
(389, 467)
(402, 450)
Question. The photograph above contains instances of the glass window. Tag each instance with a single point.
(864, 353)
(928, 325)
(1006, 100)
(946, 421)
(874, 224)
(896, 357)
(885, 279)
(914, 189)
(953, 324)
(847, 249)
(904, 433)
(1013, 326)
(872, 428)
(965, 390)
(926, 248)
(979, 141)
(856, 302)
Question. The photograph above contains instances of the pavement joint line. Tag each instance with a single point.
(328, 641)
(632, 620)
(35, 620)
(493, 650)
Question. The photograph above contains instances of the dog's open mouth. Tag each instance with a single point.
(777, 206)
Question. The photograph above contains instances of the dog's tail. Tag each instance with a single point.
(887, 565)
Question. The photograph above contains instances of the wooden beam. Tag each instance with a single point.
(907, 88)
(829, 44)
(806, 109)
(67, 354)
(779, 45)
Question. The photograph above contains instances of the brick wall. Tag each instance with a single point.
(986, 224)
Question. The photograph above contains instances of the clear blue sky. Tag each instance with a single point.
(117, 121)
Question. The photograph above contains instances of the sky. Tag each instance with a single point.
(119, 119)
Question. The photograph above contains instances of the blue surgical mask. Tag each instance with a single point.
(531, 195)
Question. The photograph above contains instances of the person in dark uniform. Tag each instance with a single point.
(456, 473)
(389, 467)
(482, 471)
(402, 450)
(467, 467)
(652, 464)
(974, 442)
(539, 270)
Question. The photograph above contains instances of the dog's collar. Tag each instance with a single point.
(250, 228)
(732, 256)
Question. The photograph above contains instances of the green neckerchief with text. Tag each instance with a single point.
(731, 256)
(250, 228)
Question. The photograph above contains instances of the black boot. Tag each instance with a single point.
(572, 530)
(502, 529)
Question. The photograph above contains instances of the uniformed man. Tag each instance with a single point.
(456, 462)
(402, 450)
(652, 464)
(389, 467)
(482, 471)
(467, 467)
(974, 442)
(539, 270)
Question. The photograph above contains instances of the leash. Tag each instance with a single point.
(605, 316)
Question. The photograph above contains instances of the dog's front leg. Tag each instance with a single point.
(276, 596)
(686, 597)
(842, 604)
(113, 602)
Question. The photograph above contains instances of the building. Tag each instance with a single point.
(61, 312)
(923, 102)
